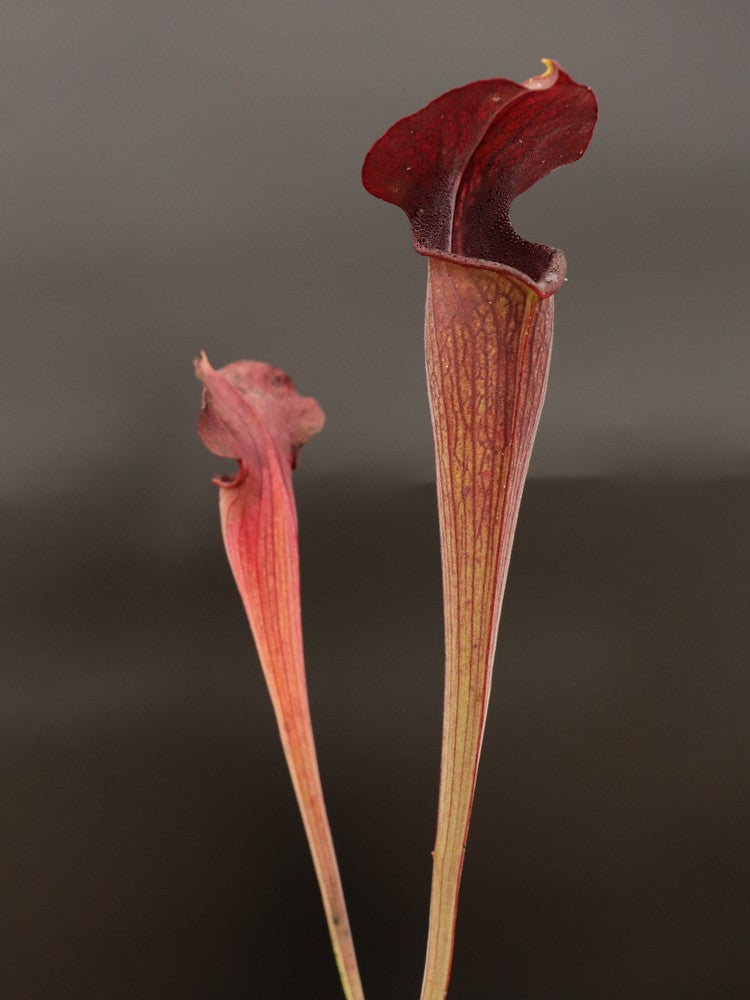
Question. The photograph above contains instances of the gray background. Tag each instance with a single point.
(178, 176)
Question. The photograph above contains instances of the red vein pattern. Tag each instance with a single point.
(251, 412)
(487, 340)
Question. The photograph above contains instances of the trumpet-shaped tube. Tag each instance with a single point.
(488, 339)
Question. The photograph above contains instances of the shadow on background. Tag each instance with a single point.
(150, 846)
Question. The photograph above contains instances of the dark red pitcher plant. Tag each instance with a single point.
(455, 167)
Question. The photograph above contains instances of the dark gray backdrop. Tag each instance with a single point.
(178, 176)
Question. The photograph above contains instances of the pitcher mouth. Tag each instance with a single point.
(551, 280)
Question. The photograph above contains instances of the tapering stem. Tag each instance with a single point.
(487, 343)
(267, 575)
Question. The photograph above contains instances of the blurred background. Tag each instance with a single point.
(178, 176)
